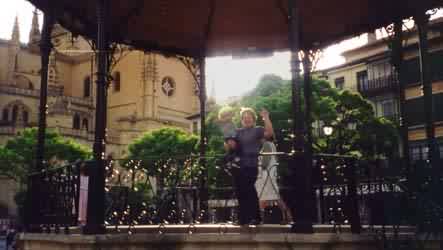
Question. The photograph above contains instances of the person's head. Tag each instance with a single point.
(226, 114)
(248, 117)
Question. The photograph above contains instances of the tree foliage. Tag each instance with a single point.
(159, 147)
(18, 155)
(356, 129)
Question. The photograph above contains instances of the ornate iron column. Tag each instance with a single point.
(45, 51)
(422, 21)
(33, 198)
(203, 140)
(397, 62)
(204, 195)
(95, 222)
(300, 163)
(307, 91)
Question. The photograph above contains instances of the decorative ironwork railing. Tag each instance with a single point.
(378, 85)
(57, 198)
(157, 192)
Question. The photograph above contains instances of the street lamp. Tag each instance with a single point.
(327, 130)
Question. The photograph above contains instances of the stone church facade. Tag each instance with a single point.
(147, 91)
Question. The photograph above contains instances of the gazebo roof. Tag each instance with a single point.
(230, 26)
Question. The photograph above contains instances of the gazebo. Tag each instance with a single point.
(201, 28)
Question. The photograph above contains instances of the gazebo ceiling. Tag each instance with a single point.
(230, 26)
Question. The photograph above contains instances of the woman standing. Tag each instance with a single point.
(250, 138)
(266, 184)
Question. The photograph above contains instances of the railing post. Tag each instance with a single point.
(95, 220)
(354, 216)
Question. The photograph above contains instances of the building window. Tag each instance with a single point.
(362, 79)
(168, 86)
(87, 87)
(85, 124)
(117, 81)
(339, 82)
(14, 113)
(379, 70)
(440, 148)
(25, 115)
(76, 122)
(5, 115)
(425, 153)
(415, 154)
(418, 152)
(388, 108)
(52, 75)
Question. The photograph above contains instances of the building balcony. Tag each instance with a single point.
(52, 91)
(378, 86)
(111, 135)
(88, 102)
(13, 90)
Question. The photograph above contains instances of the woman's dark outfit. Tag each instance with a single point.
(250, 140)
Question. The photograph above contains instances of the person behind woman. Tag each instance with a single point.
(266, 184)
(250, 138)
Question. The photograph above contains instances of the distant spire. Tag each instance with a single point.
(211, 100)
(212, 94)
(34, 34)
(15, 37)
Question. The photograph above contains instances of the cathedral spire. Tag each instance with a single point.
(212, 94)
(211, 100)
(15, 37)
(13, 50)
(34, 34)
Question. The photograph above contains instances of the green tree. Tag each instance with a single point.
(267, 85)
(356, 129)
(163, 151)
(17, 157)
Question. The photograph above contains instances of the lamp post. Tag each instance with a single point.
(327, 130)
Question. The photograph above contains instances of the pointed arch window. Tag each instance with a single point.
(5, 114)
(14, 113)
(52, 75)
(85, 124)
(25, 116)
(76, 122)
(117, 81)
(87, 87)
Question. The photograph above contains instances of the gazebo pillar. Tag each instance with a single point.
(33, 197)
(300, 161)
(397, 62)
(203, 194)
(422, 22)
(45, 51)
(95, 221)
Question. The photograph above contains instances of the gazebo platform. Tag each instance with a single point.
(211, 236)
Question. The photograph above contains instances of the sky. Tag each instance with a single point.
(226, 77)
